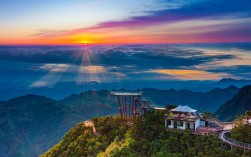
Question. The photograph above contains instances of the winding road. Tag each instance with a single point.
(232, 142)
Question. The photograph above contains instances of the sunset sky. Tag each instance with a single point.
(52, 45)
(124, 22)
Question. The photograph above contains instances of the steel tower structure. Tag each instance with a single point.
(131, 104)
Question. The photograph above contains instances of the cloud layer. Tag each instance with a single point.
(45, 66)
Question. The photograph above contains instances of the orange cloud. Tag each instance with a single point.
(190, 74)
(92, 69)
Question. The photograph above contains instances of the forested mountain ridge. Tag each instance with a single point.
(40, 122)
(236, 106)
(32, 121)
(147, 137)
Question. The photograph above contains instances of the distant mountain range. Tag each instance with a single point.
(102, 101)
(225, 82)
(62, 89)
(236, 106)
(201, 101)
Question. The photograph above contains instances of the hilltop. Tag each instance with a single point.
(146, 137)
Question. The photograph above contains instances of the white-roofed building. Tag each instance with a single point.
(183, 109)
(183, 117)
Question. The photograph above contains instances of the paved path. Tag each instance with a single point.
(90, 124)
(232, 142)
(226, 127)
(222, 125)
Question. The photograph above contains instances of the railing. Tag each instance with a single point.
(235, 142)
(149, 103)
(142, 105)
(222, 125)
(216, 121)
(145, 103)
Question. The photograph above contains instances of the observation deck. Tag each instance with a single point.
(126, 93)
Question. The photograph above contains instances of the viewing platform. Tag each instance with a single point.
(131, 104)
(126, 93)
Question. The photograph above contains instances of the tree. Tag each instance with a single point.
(169, 107)
(206, 114)
(242, 133)
(248, 113)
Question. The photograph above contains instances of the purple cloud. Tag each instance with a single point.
(190, 11)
